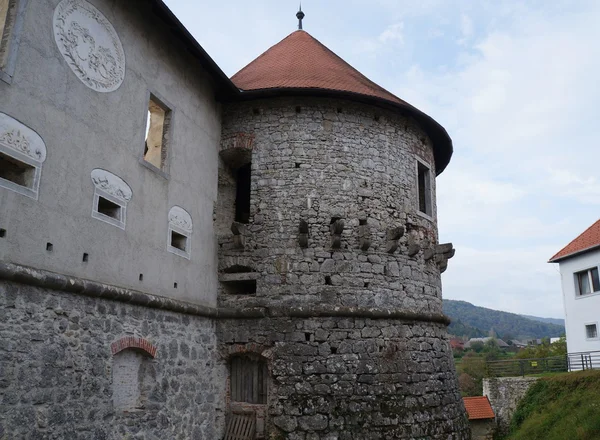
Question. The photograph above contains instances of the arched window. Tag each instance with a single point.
(248, 380)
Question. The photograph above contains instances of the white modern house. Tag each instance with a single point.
(579, 263)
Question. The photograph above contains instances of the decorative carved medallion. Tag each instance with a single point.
(180, 218)
(89, 45)
(111, 184)
(18, 137)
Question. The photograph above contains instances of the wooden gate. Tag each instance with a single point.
(241, 426)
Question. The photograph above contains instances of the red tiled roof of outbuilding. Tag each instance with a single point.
(301, 61)
(478, 408)
(587, 240)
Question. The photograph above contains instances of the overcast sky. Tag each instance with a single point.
(516, 86)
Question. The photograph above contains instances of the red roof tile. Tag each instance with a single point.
(478, 408)
(300, 61)
(590, 238)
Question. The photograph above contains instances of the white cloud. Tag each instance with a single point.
(392, 33)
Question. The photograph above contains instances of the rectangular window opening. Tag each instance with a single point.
(241, 287)
(178, 241)
(591, 331)
(424, 188)
(588, 281)
(15, 171)
(109, 208)
(157, 128)
(7, 16)
(242, 194)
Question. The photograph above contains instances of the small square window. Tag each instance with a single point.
(178, 241)
(424, 188)
(157, 133)
(591, 331)
(110, 198)
(587, 281)
(109, 209)
(16, 171)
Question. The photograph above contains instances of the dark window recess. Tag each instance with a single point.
(2, 233)
(141, 278)
(424, 188)
(178, 241)
(49, 247)
(85, 257)
(109, 208)
(242, 194)
(16, 171)
(307, 336)
(174, 285)
(249, 379)
(241, 287)
(333, 350)
(328, 280)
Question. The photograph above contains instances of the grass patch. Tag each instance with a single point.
(561, 407)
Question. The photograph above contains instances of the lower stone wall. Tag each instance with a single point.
(352, 378)
(504, 394)
(56, 369)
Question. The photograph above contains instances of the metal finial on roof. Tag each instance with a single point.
(300, 16)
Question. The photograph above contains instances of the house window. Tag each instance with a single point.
(424, 188)
(587, 281)
(591, 331)
(22, 153)
(158, 122)
(248, 380)
(180, 232)
(111, 196)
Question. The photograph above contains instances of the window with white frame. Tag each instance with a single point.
(591, 331)
(424, 188)
(22, 153)
(587, 281)
(179, 237)
(111, 196)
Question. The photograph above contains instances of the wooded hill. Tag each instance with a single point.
(473, 321)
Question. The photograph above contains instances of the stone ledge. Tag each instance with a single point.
(50, 280)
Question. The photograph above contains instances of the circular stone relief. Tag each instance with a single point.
(89, 45)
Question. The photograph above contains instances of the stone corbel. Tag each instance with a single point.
(239, 235)
(336, 228)
(303, 234)
(442, 253)
(413, 244)
(393, 235)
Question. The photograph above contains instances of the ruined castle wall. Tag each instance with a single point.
(59, 378)
(317, 159)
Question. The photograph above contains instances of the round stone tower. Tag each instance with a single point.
(329, 255)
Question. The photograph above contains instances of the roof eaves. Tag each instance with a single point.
(556, 259)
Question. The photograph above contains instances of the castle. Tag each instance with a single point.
(181, 252)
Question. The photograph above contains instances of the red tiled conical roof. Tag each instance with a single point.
(589, 239)
(301, 61)
(301, 64)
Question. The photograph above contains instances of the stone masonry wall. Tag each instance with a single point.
(504, 394)
(320, 159)
(56, 369)
(353, 378)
